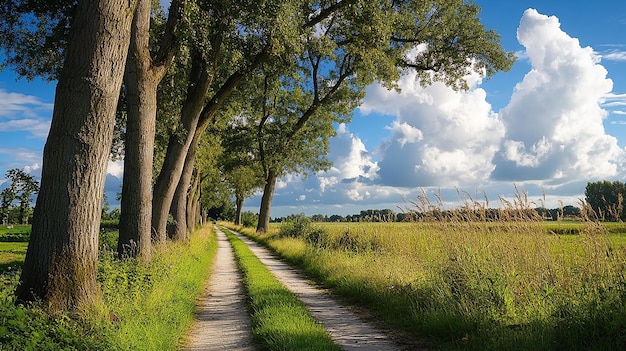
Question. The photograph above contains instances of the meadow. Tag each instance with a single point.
(464, 285)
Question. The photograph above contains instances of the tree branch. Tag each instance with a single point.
(325, 13)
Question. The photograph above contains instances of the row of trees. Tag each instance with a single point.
(264, 81)
(387, 215)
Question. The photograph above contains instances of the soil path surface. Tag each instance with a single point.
(222, 322)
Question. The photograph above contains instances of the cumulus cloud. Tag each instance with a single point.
(440, 136)
(353, 167)
(553, 123)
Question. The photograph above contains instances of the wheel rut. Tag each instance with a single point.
(222, 322)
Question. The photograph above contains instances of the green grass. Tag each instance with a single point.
(279, 320)
(12, 255)
(145, 306)
(469, 286)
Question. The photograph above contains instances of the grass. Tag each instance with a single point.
(279, 320)
(146, 306)
(12, 255)
(474, 285)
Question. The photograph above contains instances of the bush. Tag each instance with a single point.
(300, 226)
(249, 219)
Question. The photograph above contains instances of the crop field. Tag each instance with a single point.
(474, 285)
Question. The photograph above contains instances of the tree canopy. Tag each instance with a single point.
(606, 199)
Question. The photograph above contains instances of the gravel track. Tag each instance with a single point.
(222, 322)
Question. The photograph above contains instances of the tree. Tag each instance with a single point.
(228, 40)
(606, 199)
(8, 196)
(242, 173)
(366, 41)
(23, 187)
(60, 265)
(443, 40)
(144, 72)
(34, 36)
(293, 131)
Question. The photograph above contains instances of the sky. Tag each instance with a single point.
(554, 122)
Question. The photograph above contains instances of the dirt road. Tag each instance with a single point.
(223, 323)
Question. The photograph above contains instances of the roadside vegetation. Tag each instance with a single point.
(516, 283)
(279, 320)
(144, 306)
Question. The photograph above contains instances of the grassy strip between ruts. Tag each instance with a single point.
(145, 306)
(279, 320)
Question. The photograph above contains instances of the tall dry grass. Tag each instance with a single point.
(470, 279)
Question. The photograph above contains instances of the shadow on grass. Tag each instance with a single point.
(11, 266)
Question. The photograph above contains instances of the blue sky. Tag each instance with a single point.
(554, 122)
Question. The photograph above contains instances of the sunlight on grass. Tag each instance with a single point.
(475, 285)
(145, 306)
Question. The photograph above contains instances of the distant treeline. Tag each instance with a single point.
(462, 214)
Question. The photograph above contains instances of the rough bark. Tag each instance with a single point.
(266, 202)
(179, 205)
(61, 260)
(142, 78)
(141, 87)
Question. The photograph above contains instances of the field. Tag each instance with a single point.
(459, 285)
(474, 285)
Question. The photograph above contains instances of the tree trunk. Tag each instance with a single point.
(60, 265)
(239, 204)
(179, 206)
(266, 202)
(193, 203)
(172, 168)
(195, 119)
(142, 78)
(141, 93)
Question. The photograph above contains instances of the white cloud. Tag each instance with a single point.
(25, 156)
(614, 55)
(32, 168)
(406, 133)
(37, 127)
(554, 119)
(16, 104)
(351, 160)
(19, 112)
(116, 168)
(440, 136)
